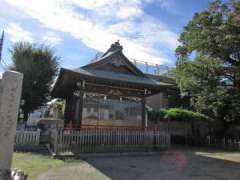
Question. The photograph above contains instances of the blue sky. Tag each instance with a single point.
(78, 29)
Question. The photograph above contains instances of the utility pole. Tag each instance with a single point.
(1, 46)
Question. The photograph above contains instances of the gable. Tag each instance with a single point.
(116, 62)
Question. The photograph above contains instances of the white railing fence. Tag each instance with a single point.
(107, 140)
(27, 137)
(227, 143)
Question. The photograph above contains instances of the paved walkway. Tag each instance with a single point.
(178, 164)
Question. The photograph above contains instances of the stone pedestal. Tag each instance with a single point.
(10, 94)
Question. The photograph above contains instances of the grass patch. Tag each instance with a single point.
(229, 156)
(47, 167)
(34, 164)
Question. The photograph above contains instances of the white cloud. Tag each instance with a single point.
(128, 12)
(51, 38)
(8, 11)
(17, 33)
(104, 22)
(114, 8)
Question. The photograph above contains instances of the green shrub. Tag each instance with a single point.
(176, 114)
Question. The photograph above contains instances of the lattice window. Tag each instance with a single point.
(103, 108)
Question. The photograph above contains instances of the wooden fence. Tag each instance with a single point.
(107, 140)
(27, 138)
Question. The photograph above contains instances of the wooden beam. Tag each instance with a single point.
(116, 87)
(112, 90)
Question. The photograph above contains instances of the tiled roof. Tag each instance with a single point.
(108, 75)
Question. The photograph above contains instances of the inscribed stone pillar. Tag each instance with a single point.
(11, 85)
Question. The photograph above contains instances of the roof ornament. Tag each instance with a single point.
(116, 46)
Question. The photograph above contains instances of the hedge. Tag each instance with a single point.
(176, 114)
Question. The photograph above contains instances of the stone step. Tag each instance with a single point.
(32, 148)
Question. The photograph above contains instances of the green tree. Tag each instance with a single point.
(215, 33)
(202, 80)
(212, 79)
(201, 74)
(39, 65)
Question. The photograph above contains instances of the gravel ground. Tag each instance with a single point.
(176, 164)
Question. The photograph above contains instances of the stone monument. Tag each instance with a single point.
(10, 94)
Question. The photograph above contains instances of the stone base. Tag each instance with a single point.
(5, 175)
(13, 175)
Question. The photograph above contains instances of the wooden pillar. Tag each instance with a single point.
(143, 113)
(79, 103)
(80, 107)
(71, 110)
(74, 110)
(67, 111)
